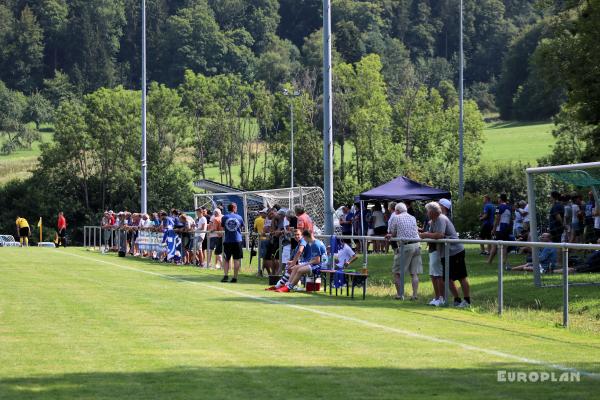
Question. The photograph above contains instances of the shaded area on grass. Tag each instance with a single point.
(294, 382)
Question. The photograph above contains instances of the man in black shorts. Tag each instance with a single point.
(442, 228)
(232, 242)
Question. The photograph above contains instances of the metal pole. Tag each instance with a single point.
(292, 144)
(500, 282)
(533, 232)
(248, 227)
(461, 179)
(365, 243)
(402, 276)
(565, 287)
(327, 120)
(144, 199)
(447, 272)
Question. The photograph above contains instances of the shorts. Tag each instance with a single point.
(486, 232)
(198, 243)
(234, 250)
(502, 235)
(435, 266)
(216, 244)
(381, 230)
(410, 258)
(23, 232)
(458, 268)
(272, 251)
(264, 248)
(205, 244)
(576, 228)
(186, 241)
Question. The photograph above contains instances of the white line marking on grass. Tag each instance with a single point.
(374, 325)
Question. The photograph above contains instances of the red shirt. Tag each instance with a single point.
(304, 223)
(62, 223)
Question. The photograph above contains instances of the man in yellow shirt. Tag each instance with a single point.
(259, 227)
(23, 230)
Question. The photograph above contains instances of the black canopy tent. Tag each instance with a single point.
(400, 188)
(403, 188)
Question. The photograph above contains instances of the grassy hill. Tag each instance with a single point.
(18, 164)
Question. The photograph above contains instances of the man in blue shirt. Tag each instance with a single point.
(548, 257)
(313, 258)
(232, 242)
(346, 223)
(501, 229)
(298, 254)
(487, 223)
(556, 218)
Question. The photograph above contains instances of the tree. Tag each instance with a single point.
(575, 50)
(59, 88)
(12, 121)
(39, 109)
(25, 52)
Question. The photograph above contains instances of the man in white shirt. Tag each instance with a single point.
(344, 256)
(201, 225)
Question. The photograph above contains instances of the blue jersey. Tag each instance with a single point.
(168, 223)
(302, 242)
(347, 228)
(317, 248)
(490, 211)
(232, 224)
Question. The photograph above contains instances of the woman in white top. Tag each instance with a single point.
(379, 226)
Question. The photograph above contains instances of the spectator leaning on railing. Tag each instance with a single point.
(403, 225)
(442, 228)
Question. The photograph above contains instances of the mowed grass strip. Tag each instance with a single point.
(517, 142)
(79, 325)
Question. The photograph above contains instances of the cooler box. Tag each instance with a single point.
(312, 284)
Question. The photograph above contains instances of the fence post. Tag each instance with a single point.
(447, 272)
(260, 255)
(566, 287)
(500, 282)
(400, 251)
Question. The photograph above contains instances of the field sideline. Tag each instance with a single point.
(82, 325)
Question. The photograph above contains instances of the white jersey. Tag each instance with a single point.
(344, 255)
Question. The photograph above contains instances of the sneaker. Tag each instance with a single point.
(233, 280)
(484, 253)
(225, 279)
(464, 304)
(440, 302)
(433, 302)
(283, 289)
(271, 288)
(457, 303)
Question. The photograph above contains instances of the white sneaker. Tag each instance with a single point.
(433, 302)
(464, 304)
(439, 302)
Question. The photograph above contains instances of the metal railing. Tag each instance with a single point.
(93, 233)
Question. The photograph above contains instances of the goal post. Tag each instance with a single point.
(251, 202)
(581, 175)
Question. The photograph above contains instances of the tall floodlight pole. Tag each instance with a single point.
(327, 120)
(295, 93)
(461, 176)
(144, 198)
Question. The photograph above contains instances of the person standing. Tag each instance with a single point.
(346, 223)
(23, 231)
(402, 225)
(501, 229)
(556, 223)
(61, 227)
(232, 242)
(487, 224)
(442, 228)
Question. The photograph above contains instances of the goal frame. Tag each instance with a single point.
(531, 198)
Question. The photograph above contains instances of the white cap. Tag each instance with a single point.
(264, 210)
(445, 203)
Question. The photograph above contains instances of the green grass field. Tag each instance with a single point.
(77, 324)
(511, 141)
